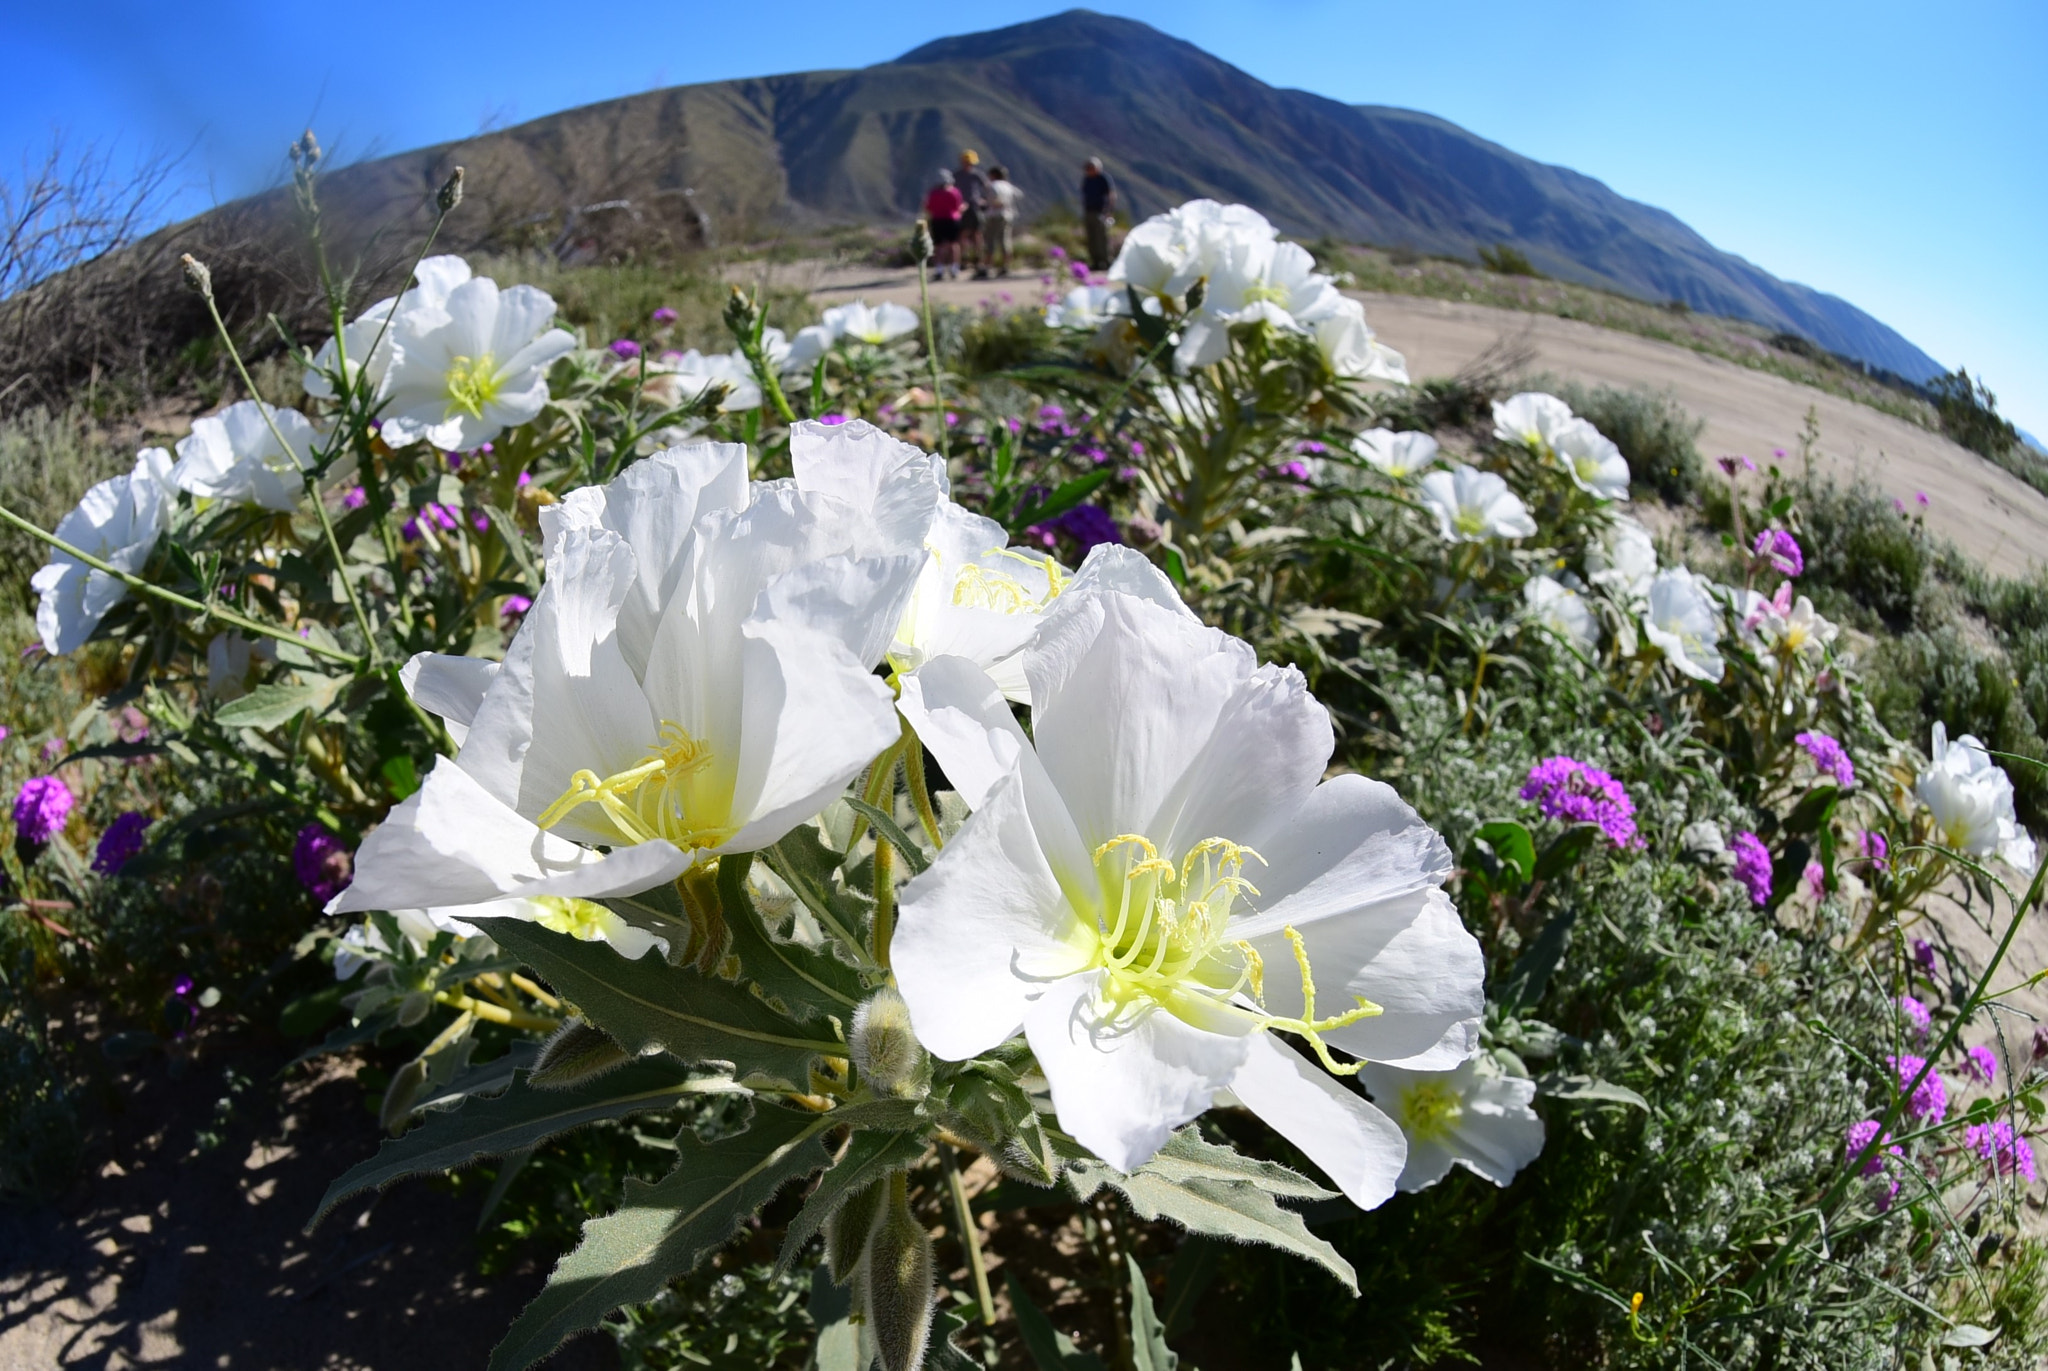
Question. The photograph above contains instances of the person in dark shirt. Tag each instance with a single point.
(1098, 211)
(974, 193)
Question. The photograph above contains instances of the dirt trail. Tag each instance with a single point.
(1989, 513)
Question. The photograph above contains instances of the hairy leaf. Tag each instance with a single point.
(1559, 1086)
(810, 869)
(275, 702)
(886, 827)
(868, 1157)
(1149, 1351)
(797, 976)
(662, 1230)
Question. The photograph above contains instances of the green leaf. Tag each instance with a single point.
(913, 855)
(1149, 1351)
(517, 1119)
(1559, 1086)
(1064, 498)
(831, 1309)
(649, 1004)
(1564, 851)
(1512, 844)
(1188, 1156)
(663, 1230)
(1531, 972)
(1968, 1335)
(1050, 1349)
(797, 976)
(810, 868)
(276, 702)
(868, 1157)
(1812, 811)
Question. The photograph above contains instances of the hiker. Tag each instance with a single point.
(1000, 229)
(1098, 211)
(942, 207)
(974, 192)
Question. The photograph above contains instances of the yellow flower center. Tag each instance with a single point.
(1162, 935)
(1431, 1109)
(980, 587)
(1265, 292)
(1469, 522)
(1587, 467)
(580, 919)
(669, 796)
(473, 382)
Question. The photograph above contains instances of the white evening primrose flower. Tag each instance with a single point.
(1350, 348)
(232, 661)
(1595, 465)
(695, 677)
(681, 380)
(804, 351)
(1396, 456)
(1473, 506)
(1562, 610)
(1532, 420)
(464, 372)
(117, 521)
(1970, 798)
(865, 323)
(1085, 308)
(1158, 884)
(1622, 560)
(367, 342)
(234, 455)
(1254, 279)
(1468, 1116)
(1682, 620)
(1169, 252)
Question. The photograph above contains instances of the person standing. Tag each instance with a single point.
(974, 210)
(942, 207)
(1001, 227)
(1098, 211)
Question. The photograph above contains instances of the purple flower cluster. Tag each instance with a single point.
(664, 315)
(1830, 756)
(1088, 525)
(1753, 866)
(321, 863)
(1567, 789)
(625, 349)
(515, 607)
(356, 498)
(121, 843)
(1923, 951)
(1778, 549)
(1736, 464)
(1878, 853)
(1980, 1064)
(1916, 1014)
(1929, 1103)
(2007, 1152)
(445, 516)
(1859, 1137)
(41, 809)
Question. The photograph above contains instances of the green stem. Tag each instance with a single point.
(931, 351)
(209, 611)
(920, 792)
(884, 928)
(970, 1236)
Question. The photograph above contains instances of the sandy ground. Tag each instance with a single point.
(1994, 516)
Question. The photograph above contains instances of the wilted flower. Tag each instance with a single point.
(1996, 1143)
(1980, 1064)
(40, 809)
(1735, 465)
(1478, 1119)
(232, 660)
(1562, 610)
(1752, 866)
(1830, 756)
(120, 843)
(1566, 789)
(1777, 548)
(1472, 506)
(464, 372)
(1929, 1101)
(1970, 799)
(118, 521)
(1683, 622)
(1917, 1015)
(1101, 897)
(321, 863)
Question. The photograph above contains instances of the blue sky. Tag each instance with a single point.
(1894, 155)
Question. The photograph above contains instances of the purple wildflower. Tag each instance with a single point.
(1080, 270)
(183, 986)
(625, 349)
(1929, 1103)
(121, 843)
(1090, 526)
(41, 809)
(1311, 446)
(1859, 1138)
(515, 606)
(1923, 952)
(53, 748)
(1736, 464)
(1917, 1014)
(952, 419)
(832, 420)
(1816, 878)
(1753, 866)
(1777, 547)
(1051, 414)
(2005, 1150)
(1292, 471)
(664, 315)
(1566, 789)
(356, 498)
(1830, 756)
(1877, 852)
(1980, 1064)
(1898, 504)
(1920, 498)
(321, 863)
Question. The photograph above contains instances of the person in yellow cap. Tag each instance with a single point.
(974, 191)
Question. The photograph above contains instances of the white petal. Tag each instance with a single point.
(1357, 1146)
(958, 712)
(1499, 1133)
(1264, 756)
(448, 686)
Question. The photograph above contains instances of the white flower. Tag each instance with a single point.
(865, 323)
(1396, 456)
(1144, 882)
(231, 659)
(1683, 621)
(117, 521)
(694, 678)
(681, 380)
(1595, 465)
(233, 455)
(477, 365)
(1253, 279)
(1350, 348)
(374, 327)
(1532, 420)
(419, 928)
(1477, 1118)
(1562, 610)
(804, 351)
(1085, 307)
(1623, 559)
(1472, 506)
(1780, 623)
(1169, 252)
(1970, 797)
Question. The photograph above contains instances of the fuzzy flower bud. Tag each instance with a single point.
(399, 1097)
(450, 194)
(196, 275)
(884, 1048)
(899, 1283)
(576, 1052)
(740, 314)
(921, 242)
(847, 1231)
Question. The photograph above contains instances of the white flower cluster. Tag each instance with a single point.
(1970, 799)
(1156, 886)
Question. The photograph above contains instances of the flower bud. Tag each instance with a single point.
(886, 1051)
(899, 1283)
(740, 315)
(196, 275)
(306, 150)
(450, 194)
(847, 1231)
(406, 1084)
(921, 242)
(576, 1052)
(1197, 293)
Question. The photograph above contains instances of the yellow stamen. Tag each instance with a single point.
(473, 382)
(650, 801)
